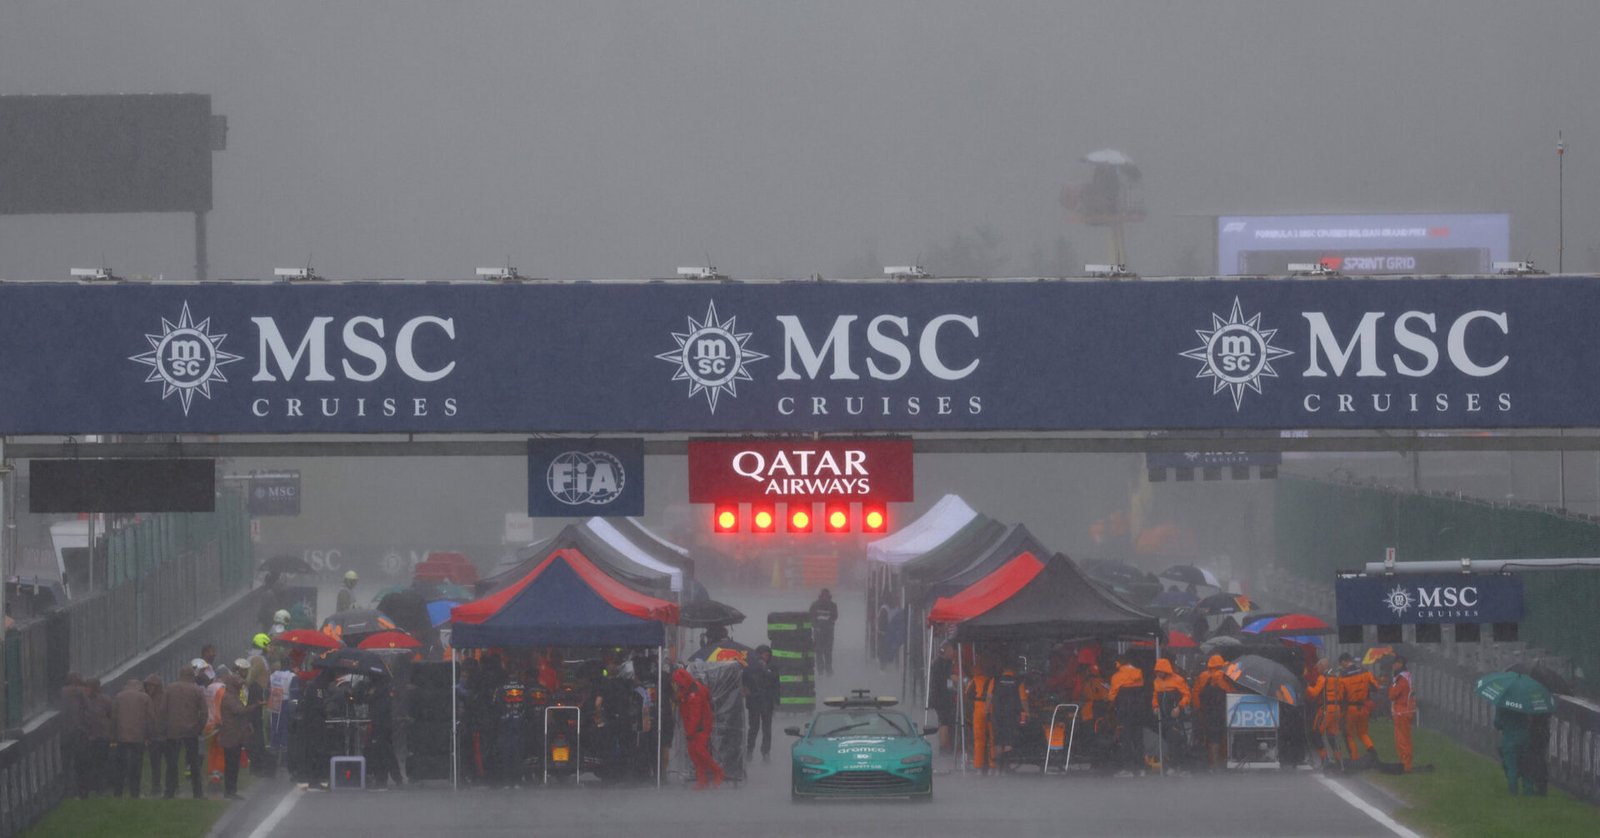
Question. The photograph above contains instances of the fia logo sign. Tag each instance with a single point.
(712, 356)
(186, 358)
(1236, 353)
(576, 478)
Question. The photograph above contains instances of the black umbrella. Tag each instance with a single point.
(354, 661)
(285, 563)
(1188, 574)
(708, 612)
(409, 611)
(1224, 603)
(1265, 677)
(1548, 678)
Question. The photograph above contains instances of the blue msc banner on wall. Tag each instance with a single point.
(1429, 598)
(579, 478)
(370, 357)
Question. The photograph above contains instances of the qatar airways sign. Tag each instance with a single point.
(744, 471)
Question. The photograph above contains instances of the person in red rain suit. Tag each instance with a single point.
(694, 712)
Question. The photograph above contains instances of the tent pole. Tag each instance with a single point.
(961, 699)
(927, 675)
(660, 699)
(455, 735)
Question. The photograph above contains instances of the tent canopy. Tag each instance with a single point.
(636, 552)
(565, 601)
(1026, 598)
(598, 550)
(942, 520)
(983, 558)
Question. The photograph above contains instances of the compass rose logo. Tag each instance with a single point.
(185, 358)
(1398, 600)
(1236, 353)
(712, 356)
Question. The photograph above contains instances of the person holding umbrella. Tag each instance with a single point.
(1514, 738)
(1517, 699)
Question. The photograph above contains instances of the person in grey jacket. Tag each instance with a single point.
(184, 719)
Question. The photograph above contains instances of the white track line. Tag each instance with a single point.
(1351, 798)
(279, 812)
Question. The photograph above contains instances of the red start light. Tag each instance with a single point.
(763, 518)
(874, 518)
(725, 518)
(800, 518)
(837, 517)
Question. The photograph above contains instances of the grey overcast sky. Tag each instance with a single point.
(784, 138)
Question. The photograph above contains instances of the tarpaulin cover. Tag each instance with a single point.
(1055, 601)
(565, 601)
(934, 527)
(725, 680)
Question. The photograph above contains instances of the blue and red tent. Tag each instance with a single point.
(564, 601)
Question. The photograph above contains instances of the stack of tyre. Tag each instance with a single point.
(789, 635)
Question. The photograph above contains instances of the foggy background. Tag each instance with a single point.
(601, 139)
(781, 139)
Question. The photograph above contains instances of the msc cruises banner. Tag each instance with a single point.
(1429, 598)
(798, 356)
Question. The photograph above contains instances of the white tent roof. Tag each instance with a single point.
(935, 527)
(658, 539)
(619, 542)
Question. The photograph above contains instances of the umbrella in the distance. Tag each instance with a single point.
(353, 661)
(354, 624)
(708, 612)
(307, 638)
(386, 640)
(1516, 692)
(1549, 678)
(1189, 574)
(1265, 677)
(1218, 604)
(1289, 624)
(285, 564)
(1375, 654)
(439, 611)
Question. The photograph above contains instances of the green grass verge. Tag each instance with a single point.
(1465, 795)
(155, 818)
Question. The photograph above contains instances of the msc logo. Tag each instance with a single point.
(185, 358)
(579, 477)
(712, 356)
(1236, 353)
(1399, 600)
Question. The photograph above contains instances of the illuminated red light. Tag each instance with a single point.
(836, 518)
(800, 518)
(874, 518)
(763, 518)
(725, 518)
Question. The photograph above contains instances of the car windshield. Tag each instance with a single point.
(865, 721)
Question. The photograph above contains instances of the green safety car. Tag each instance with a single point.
(861, 747)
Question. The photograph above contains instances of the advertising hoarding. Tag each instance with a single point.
(579, 478)
(1357, 245)
(744, 471)
(1435, 598)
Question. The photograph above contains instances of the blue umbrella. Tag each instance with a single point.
(439, 611)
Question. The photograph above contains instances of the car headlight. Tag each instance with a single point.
(809, 760)
(914, 759)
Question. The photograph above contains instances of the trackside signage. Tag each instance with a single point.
(889, 357)
(582, 477)
(838, 470)
(1429, 598)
